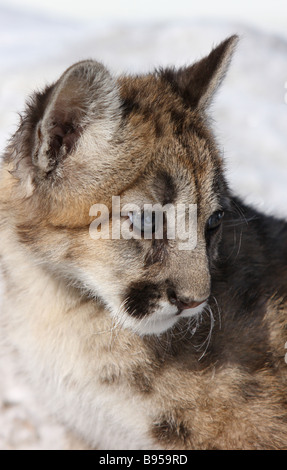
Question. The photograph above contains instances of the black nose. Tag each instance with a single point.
(183, 303)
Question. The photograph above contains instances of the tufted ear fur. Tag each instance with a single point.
(85, 93)
(197, 83)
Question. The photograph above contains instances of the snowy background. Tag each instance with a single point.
(38, 40)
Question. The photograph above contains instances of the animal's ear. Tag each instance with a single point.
(85, 93)
(198, 83)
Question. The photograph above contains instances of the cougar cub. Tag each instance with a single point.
(139, 337)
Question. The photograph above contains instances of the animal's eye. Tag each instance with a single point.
(143, 221)
(215, 220)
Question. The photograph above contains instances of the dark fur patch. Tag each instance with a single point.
(141, 380)
(141, 299)
(251, 389)
(110, 374)
(165, 187)
(170, 430)
(178, 118)
(129, 106)
(135, 104)
(27, 234)
(156, 254)
(135, 246)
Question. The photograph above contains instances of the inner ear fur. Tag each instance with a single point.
(86, 92)
(197, 83)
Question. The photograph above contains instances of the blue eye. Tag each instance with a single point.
(143, 221)
(215, 220)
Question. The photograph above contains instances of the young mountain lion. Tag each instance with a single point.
(137, 342)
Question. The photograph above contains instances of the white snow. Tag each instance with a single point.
(250, 115)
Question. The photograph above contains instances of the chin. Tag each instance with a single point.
(159, 321)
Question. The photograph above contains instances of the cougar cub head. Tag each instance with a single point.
(91, 152)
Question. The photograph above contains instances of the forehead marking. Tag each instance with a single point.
(165, 187)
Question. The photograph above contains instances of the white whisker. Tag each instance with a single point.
(206, 342)
(218, 311)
